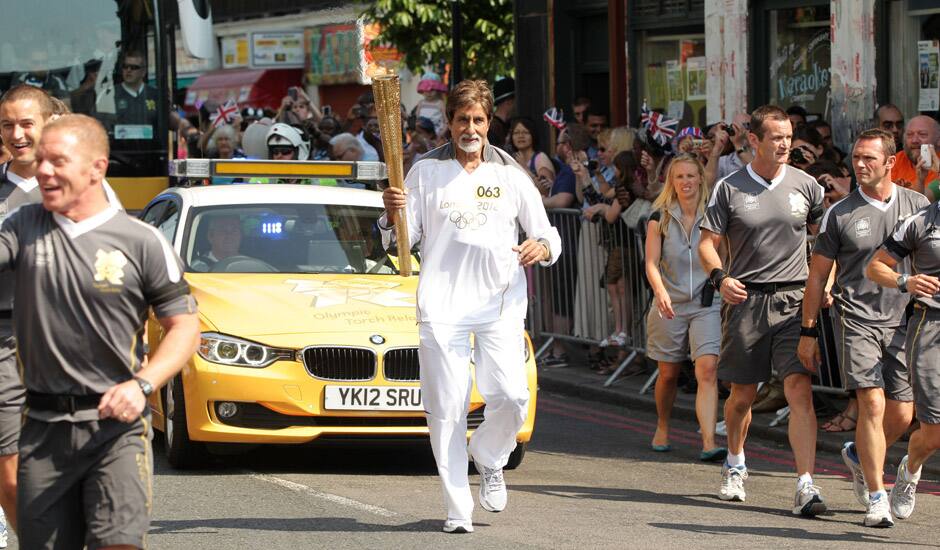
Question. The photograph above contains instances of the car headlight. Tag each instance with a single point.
(228, 350)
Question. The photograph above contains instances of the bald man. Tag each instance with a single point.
(78, 261)
(908, 171)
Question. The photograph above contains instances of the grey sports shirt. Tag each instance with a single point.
(851, 231)
(82, 294)
(14, 192)
(919, 237)
(765, 223)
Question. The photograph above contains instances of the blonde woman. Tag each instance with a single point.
(681, 322)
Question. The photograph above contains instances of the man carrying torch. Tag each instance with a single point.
(465, 204)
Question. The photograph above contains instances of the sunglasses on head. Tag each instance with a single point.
(132, 67)
(282, 150)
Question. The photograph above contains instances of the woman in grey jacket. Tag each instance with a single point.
(684, 320)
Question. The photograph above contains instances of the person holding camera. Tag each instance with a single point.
(723, 162)
(685, 320)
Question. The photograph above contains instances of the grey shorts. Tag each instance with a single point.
(84, 483)
(694, 331)
(12, 393)
(923, 358)
(873, 357)
(759, 336)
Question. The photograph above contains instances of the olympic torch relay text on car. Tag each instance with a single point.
(308, 329)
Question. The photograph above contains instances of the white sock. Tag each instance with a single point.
(876, 495)
(804, 479)
(908, 475)
(735, 460)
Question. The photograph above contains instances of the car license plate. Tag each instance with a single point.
(373, 398)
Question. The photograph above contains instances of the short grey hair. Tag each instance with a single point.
(348, 140)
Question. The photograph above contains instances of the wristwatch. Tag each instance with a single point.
(145, 387)
(812, 332)
(902, 282)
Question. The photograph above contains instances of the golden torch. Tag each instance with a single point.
(387, 92)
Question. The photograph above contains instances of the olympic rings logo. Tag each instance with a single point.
(463, 220)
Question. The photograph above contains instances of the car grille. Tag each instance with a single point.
(253, 415)
(401, 365)
(344, 364)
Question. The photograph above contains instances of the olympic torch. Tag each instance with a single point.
(387, 92)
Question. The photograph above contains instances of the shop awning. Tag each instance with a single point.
(249, 87)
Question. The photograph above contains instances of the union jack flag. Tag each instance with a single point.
(659, 127)
(225, 114)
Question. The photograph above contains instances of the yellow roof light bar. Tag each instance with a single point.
(245, 168)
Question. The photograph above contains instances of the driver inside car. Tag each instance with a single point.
(225, 239)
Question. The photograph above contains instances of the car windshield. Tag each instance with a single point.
(286, 238)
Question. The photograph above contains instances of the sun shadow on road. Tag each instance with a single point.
(791, 534)
(294, 525)
(702, 500)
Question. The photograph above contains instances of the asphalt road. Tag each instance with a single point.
(588, 481)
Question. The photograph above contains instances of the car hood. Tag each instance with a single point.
(266, 304)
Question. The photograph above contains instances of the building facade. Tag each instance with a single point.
(703, 60)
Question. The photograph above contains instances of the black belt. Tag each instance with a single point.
(6, 314)
(770, 288)
(61, 403)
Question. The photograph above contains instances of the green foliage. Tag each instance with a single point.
(422, 32)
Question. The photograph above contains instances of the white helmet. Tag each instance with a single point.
(286, 135)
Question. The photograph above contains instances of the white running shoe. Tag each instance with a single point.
(732, 483)
(807, 501)
(879, 512)
(859, 487)
(904, 492)
(492, 488)
(3, 529)
(459, 526)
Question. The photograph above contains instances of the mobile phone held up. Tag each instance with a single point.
(292, 93)
(925, 154)
(327, 110)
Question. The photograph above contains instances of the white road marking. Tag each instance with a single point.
(336, 499)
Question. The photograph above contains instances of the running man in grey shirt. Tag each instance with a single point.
(764, 211)
(23, 111)
(869, 324)
(917, 237)
(85, 276)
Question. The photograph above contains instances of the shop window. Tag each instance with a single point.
(800, 59)
(673, 76)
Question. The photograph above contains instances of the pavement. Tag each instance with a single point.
(578, 380)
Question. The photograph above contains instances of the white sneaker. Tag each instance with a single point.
(903, 493)
(859, 487)
(3, 529)
(721, 428)
(459, 526)
(879, 512)
(732, 483)
(807, 501)
(492, 488)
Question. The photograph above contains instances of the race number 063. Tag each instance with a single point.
(487, 192)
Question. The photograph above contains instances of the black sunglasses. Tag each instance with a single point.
(133, 67)
(280, 150)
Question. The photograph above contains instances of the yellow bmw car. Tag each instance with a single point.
(308, 330)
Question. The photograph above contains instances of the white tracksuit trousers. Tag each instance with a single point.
(499, 356)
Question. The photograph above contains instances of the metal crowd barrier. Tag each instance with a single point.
(571, 300)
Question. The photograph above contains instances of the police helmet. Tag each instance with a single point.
(281, 135)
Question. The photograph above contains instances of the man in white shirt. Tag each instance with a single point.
(466, 203)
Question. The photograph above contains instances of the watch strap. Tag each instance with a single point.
(812, 332)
